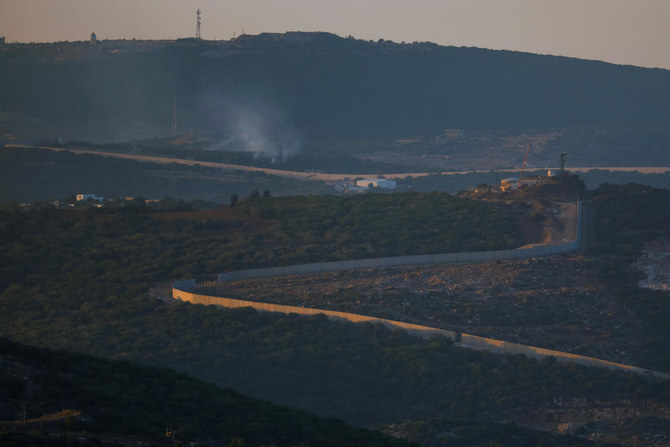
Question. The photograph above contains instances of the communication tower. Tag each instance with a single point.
(564, 155)
(197, 27)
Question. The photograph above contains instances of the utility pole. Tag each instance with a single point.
(197, 26)
(174, 116)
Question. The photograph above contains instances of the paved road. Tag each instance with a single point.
(318, 175)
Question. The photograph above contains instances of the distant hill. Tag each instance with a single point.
(286, 88)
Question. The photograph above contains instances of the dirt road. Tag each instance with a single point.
(319, 175)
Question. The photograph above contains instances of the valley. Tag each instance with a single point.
(222, 156)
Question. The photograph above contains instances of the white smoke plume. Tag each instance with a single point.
(259, 128)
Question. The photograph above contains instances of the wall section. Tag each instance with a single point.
(183, 290)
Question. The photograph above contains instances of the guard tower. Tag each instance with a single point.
(197, 26)
(94, 39)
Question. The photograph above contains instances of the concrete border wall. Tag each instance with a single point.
(186, 285)
(399, 261)
(464, 340)
(415, 329)
(505, 347)
(183, 290)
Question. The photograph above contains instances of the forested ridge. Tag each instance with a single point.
(325, 86)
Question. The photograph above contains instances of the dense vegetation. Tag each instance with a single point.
(122, 398)
(79, 280)
(374, 225)
(319, 84)
(125, 399)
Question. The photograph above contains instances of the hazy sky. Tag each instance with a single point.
(633, 32)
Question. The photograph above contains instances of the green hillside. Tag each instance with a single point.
(327, 85)
(81, 281)
(72, 399)
(125, 399)
(279, 93)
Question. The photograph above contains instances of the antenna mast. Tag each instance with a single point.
(197, 27)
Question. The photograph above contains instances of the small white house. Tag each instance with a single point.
(376, 183)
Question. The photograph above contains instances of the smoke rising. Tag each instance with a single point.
(257, 127)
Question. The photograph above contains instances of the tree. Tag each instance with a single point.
(233, 200)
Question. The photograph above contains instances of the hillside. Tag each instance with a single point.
(81, 280)
(122, 402)
(283, 94)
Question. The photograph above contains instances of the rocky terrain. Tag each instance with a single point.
(553, 302)
(655, 264)
(556, 302)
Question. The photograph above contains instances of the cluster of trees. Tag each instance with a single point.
(332, 228)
